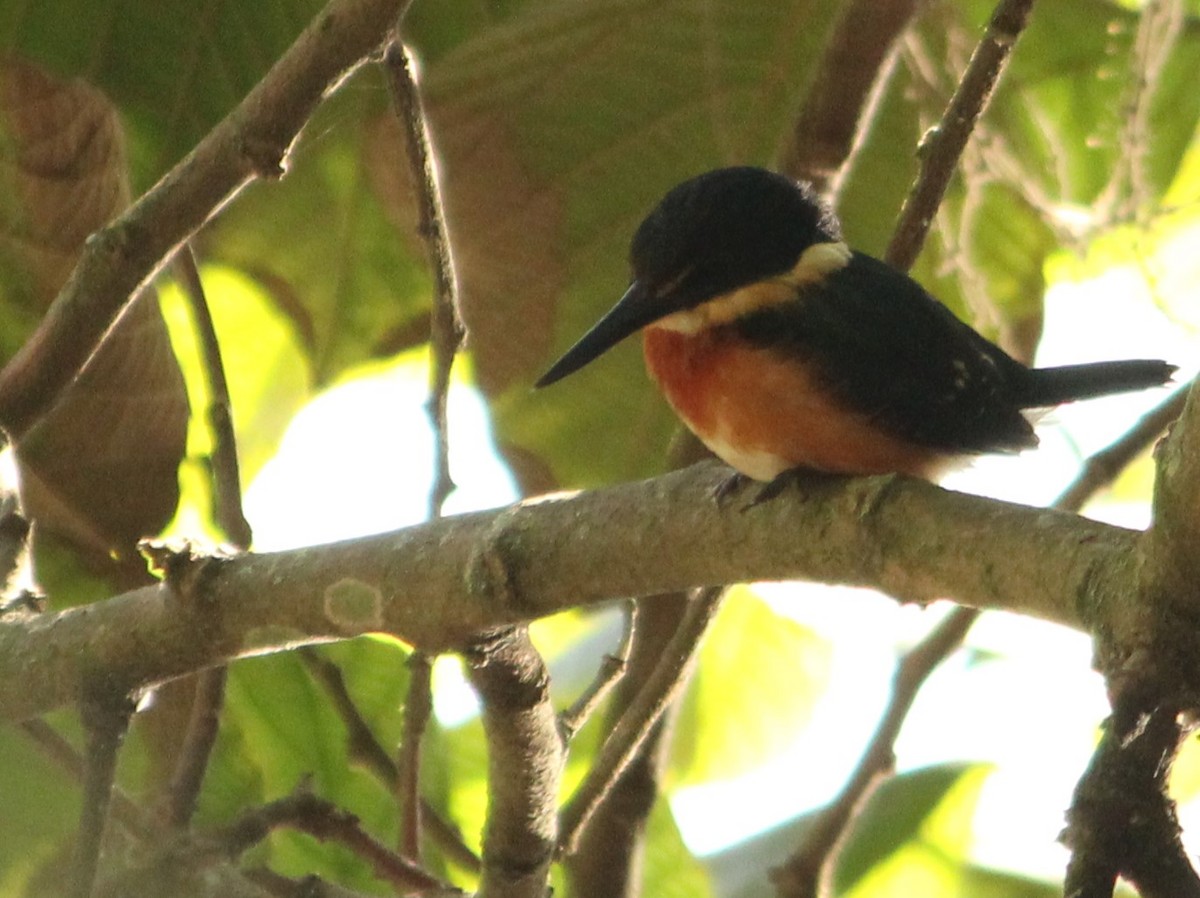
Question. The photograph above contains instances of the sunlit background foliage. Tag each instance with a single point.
(558, 124)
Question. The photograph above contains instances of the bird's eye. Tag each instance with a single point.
(670, 286)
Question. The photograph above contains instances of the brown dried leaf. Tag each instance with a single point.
(100, 469)
(63, 164)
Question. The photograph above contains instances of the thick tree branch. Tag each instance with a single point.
(1121, 822)
(252, 141)
(525, 759)
(908, 538)
(106, 714)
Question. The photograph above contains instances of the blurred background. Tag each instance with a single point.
(1071, 234)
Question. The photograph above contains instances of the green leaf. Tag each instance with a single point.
(916, 828)
(41, 808)
(909, 840)
(281, 731)
(754, 688)
(670, 869)
(264, 363)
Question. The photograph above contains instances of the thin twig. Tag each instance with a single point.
(446, 334)
(611, 668)
(308, 887)
(14, 540)
(365, 749)
(943, 146)
(327, 822)
(808, 872)
(209, 696)
(1128, 193)
(227, 479)
(417, 711)
(361, 744)
(660, 690)
(610, 851)
(195, 749)
(1102, 468)
(446, 328)
(106, 720)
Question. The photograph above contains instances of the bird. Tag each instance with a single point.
(783, 349)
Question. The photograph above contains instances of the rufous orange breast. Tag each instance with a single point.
(764, 414)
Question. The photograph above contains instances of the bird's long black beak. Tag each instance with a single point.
(632, 312)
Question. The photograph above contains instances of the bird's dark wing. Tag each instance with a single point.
(889, 350)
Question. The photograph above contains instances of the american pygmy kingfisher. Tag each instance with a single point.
(780, 347)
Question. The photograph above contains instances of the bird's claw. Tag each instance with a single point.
(725, 490)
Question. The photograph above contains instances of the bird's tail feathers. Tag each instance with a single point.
(1068, 383)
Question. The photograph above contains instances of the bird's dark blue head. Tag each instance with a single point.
(708, 236)
(725, 229)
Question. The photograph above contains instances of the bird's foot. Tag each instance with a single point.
(724, 491)
(776, 485)
(727, 488)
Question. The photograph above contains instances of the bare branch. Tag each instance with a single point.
(251, 142)
(361, 745)
(808, 872)
(942, 147)
(227, 478)
(417, 711)
(907, 538)
(14, 540)
(105, 714)
(839, 104)
(1128, 193)
(63, 753)
(1121, 822)
(209, 695)
(1102, 468)
(323, 820)
(525, 758)
(607, 860)
(446, 327)
(196, 747)
(612, 668)
(365, 749)
(669, 677)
